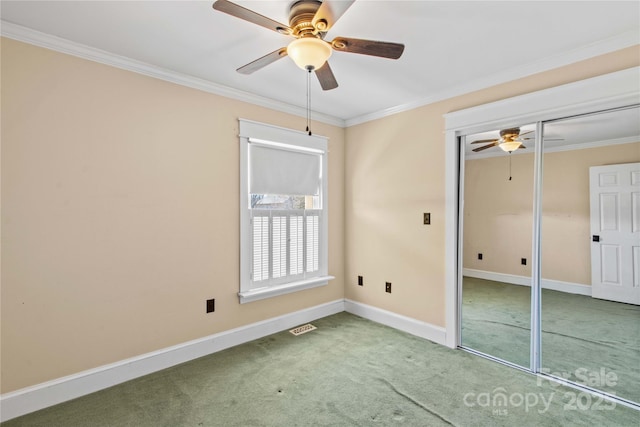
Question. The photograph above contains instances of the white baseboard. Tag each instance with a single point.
(30, 399)
(421, 329)
(556, 285)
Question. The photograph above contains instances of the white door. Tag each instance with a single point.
(615, 232)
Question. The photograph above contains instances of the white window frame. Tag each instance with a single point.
(260, 133)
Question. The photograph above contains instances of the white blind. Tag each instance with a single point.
(312, 242)
(285, 244)
(274, 170)
(296, 243)
(261, 248)
(279, 245)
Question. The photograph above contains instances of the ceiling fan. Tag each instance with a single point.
(510, 140)
(309, 21)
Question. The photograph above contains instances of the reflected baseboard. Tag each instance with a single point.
(556, 285)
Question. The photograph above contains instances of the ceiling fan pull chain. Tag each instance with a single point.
(509, 165)
(309, 101)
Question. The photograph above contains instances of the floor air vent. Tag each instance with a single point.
(302, 329)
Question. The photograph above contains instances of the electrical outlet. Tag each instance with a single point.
(211, 305)
(360, 281)
(523, 261)
(387, 287)
(480, 257)
(426, 218)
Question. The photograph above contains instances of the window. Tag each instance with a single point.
(283, 211)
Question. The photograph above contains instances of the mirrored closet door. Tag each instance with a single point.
(570, 197)
(590, 251)
(497, 223)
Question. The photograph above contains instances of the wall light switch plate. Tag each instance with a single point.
(426, 218)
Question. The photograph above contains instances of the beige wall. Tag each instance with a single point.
(120, 215)
(498, 212)
(395, 172)
(566, 235)
(120, 210)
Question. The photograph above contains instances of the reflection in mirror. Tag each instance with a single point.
(497, 224)
(590, 243)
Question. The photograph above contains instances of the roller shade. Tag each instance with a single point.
(279, 170)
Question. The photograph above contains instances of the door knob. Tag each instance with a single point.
(595, 238)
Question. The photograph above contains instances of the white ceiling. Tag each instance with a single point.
(452, 47)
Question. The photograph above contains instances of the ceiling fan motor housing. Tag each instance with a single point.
(509, 134)
(301, 16)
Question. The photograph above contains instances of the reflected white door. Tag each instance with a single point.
(615, 230)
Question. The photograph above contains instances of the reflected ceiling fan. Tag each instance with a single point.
(510, 140)
(309, 22)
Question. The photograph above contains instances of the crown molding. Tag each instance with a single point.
(621, 41)
(37, 38)
(58, 44)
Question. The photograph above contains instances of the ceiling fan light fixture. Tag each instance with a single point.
(510, 146)
(309, 52)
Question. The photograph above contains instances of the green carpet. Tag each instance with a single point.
(348, 372)
(587, 340)
(496, 319)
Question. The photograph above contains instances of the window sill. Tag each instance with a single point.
(287, 288)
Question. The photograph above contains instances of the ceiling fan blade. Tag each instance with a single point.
(328, 13)
(263, 62)
(368, 47)
(250, 16)
(521, 146)
(484, 147)
(480, 141)
(526, 132)
(326, 77)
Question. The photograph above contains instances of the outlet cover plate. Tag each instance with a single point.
(211, 305)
